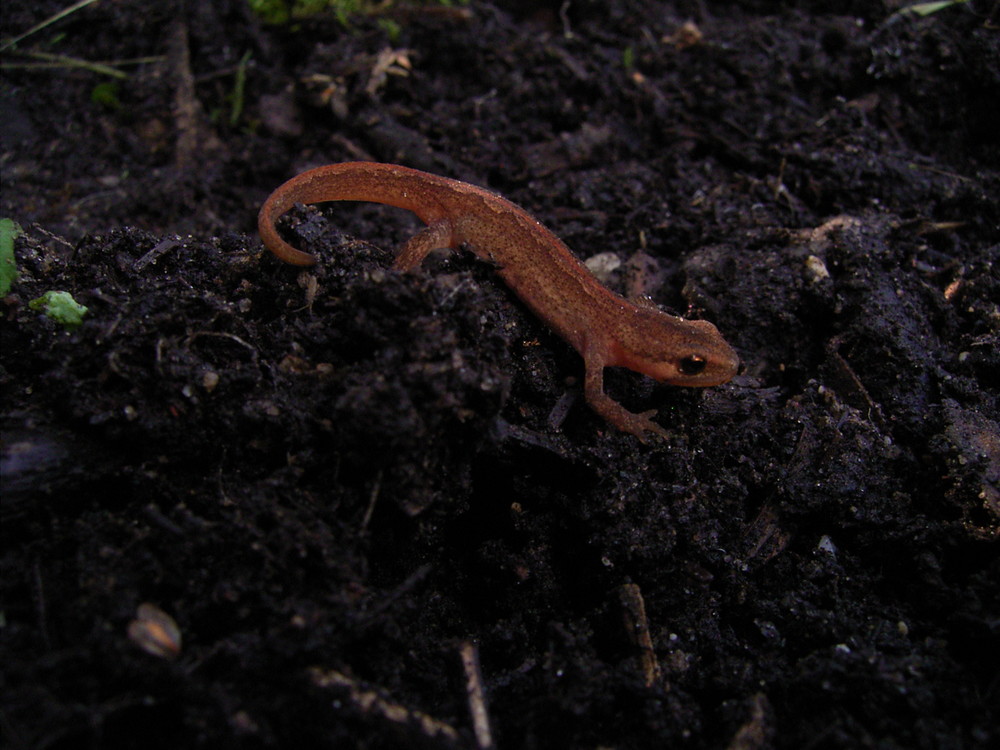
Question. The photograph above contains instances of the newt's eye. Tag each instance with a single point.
(693, 365)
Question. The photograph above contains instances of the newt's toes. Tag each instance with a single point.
(641, 425)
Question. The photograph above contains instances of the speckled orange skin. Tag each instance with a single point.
(606, 329)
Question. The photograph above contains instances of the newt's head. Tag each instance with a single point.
(679, 352)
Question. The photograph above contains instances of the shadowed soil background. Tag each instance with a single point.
(336, 481)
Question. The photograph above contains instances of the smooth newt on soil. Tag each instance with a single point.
(607, 330)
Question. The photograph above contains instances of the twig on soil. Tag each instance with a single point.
(393, 596)
(368, 701)
(162, 248)
(223, 335)
(372, 499)
(191, 137)
(52, 236)
(477, 695)
(637, 630)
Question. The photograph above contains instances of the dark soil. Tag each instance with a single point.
(335, 480)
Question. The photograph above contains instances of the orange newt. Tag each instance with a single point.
(607, 330)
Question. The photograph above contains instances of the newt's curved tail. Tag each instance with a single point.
(373, 182)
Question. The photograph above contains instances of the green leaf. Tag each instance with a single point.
(106, 94)
(9, 231)
(61, 307)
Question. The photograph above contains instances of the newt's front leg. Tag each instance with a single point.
(594, 360)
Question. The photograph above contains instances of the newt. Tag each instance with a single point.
(606, 329)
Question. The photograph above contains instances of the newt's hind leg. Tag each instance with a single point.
(435, 235)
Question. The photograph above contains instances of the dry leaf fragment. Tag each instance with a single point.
(155, 632)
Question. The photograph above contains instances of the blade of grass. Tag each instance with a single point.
(47, 22)
(239, 89)
(926, 9)
(62, 61)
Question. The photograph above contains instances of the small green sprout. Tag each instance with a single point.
(9, 231)
(628, 57)
(106, 95)
(279, 12)
(61, 307)
(391, 28)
